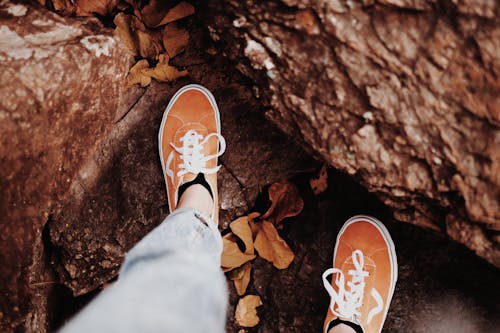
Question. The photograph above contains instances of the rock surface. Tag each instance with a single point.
(81, 183)
(81, 178)
(119, 194)
(403, 95)
(52, 74)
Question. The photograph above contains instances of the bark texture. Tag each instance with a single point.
(52, 73)
(401, 94)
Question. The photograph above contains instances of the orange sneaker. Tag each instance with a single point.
(364, 276)
(190, 142)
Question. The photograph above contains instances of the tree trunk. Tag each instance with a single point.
(401, 94)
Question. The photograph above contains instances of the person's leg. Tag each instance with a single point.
(171, 281)
(197, 197)
(363, 278)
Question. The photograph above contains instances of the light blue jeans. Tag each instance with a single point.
(171, 281)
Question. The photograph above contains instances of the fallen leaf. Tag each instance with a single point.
(241, 228)
(254, 226)
(241, 278)
(136, 37)
(242, 331)
(153, 12)
(253, 216)
(136, 75)
(237, 273)
(163, 72)
(246, 311)
(157, 13)
(91, 7)
(182, 10)
(272, 247)
(141, 72)
(232, 257)
(319, 183)
(285, 202)
(175, 39)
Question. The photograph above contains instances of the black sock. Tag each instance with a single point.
(352, 325)
(200, 179)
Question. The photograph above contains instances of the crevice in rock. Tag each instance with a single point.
(131, 107)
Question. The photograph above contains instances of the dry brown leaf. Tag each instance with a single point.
(136, 37)
(136, 75)
(246, 311)
(254, 226)
(237, 273)
(91, 7)
(252, 216)
(241, 278)
(175, 39)
(141, 72)
(122, 22)
(163, 72)
(241, 228)
(157, 13)
(182, 10)
(232, 256)
(285, 202)
(319, 183)
(272, 247)
(153, 12)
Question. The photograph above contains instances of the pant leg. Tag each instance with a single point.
(171, 281)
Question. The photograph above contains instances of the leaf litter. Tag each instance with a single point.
(151, 34)
(255, 234)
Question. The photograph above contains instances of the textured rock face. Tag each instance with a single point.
(119, 194)
(399, 94)
(81, 181)
(403, 95)
(53, 73)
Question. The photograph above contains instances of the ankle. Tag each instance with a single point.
(198, 197)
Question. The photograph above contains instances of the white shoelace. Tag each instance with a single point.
(193, 160)
(349, 301)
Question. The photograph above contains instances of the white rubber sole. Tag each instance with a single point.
(390, 245)
(188, 87)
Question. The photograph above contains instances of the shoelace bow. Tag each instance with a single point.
(193, 160)
(349, 301)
